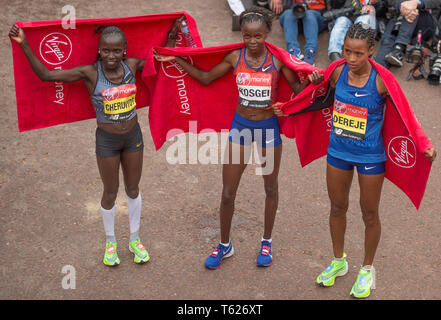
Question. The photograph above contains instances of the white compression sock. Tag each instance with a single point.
(109, 223)
(134, 206)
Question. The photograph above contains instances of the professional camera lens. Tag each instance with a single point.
(435, 69)
(334, 14)
(299, 9)
(415, 55)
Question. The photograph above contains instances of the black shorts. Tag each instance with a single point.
(110, 144)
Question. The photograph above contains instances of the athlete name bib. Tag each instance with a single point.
(254, 89)
(119, 102)
(349, 121)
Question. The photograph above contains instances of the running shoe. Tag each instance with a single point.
(309, 56)
(265, 256)
(364, 283)
(139, 251)
(297, 53)
(395, 57)
(215, 259)
(110, 256)
(335, 269)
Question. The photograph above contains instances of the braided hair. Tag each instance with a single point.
(257, 14)
(362, 31)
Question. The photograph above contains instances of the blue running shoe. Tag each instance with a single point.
(214, 260)
(309, 56)
(265, 257)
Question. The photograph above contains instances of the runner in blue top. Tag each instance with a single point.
(356, 141)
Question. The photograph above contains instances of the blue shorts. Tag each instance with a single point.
(266, 133)
(364, 168)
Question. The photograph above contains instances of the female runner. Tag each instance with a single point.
(253, 118)
(119, 138)
(359, 88)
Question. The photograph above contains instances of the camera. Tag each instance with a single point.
(354, 10)
(299, 8)
(334, 14)
(415, 54)
(435, 69)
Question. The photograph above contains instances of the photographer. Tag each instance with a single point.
(310, 12)
(411, 16)
(342, 24)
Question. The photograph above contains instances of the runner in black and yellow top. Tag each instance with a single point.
(112, 87)
(257, 74)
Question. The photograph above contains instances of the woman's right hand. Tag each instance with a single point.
(17, 34)
(163, 58)
(277, 110)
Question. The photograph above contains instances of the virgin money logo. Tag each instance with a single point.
(172, 69)
(401, 150)
(55, 48)
(243, 79)
(339, 107)
(111, 94)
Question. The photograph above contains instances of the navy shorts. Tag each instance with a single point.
(266, 133)
(111, 144)
(364, 168)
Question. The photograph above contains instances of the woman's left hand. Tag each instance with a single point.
(277, 110)
(430, 154)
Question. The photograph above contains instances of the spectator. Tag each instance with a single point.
(313, 23)
(414, 17)
(342, 24)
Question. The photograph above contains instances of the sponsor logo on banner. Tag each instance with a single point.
(173, 69)
(402, 151)
(55, 48)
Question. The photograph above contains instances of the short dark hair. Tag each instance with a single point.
(111, 30)
(254, 14)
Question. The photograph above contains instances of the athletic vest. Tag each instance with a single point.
(357, 121)
(114, 103)
(257, 86)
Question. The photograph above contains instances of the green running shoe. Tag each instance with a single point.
(335, 269)
(139, 251)
(364, 283)
(110, 256)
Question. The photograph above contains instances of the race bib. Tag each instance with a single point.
(254, 89)
(119, 102)
(349, 121)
